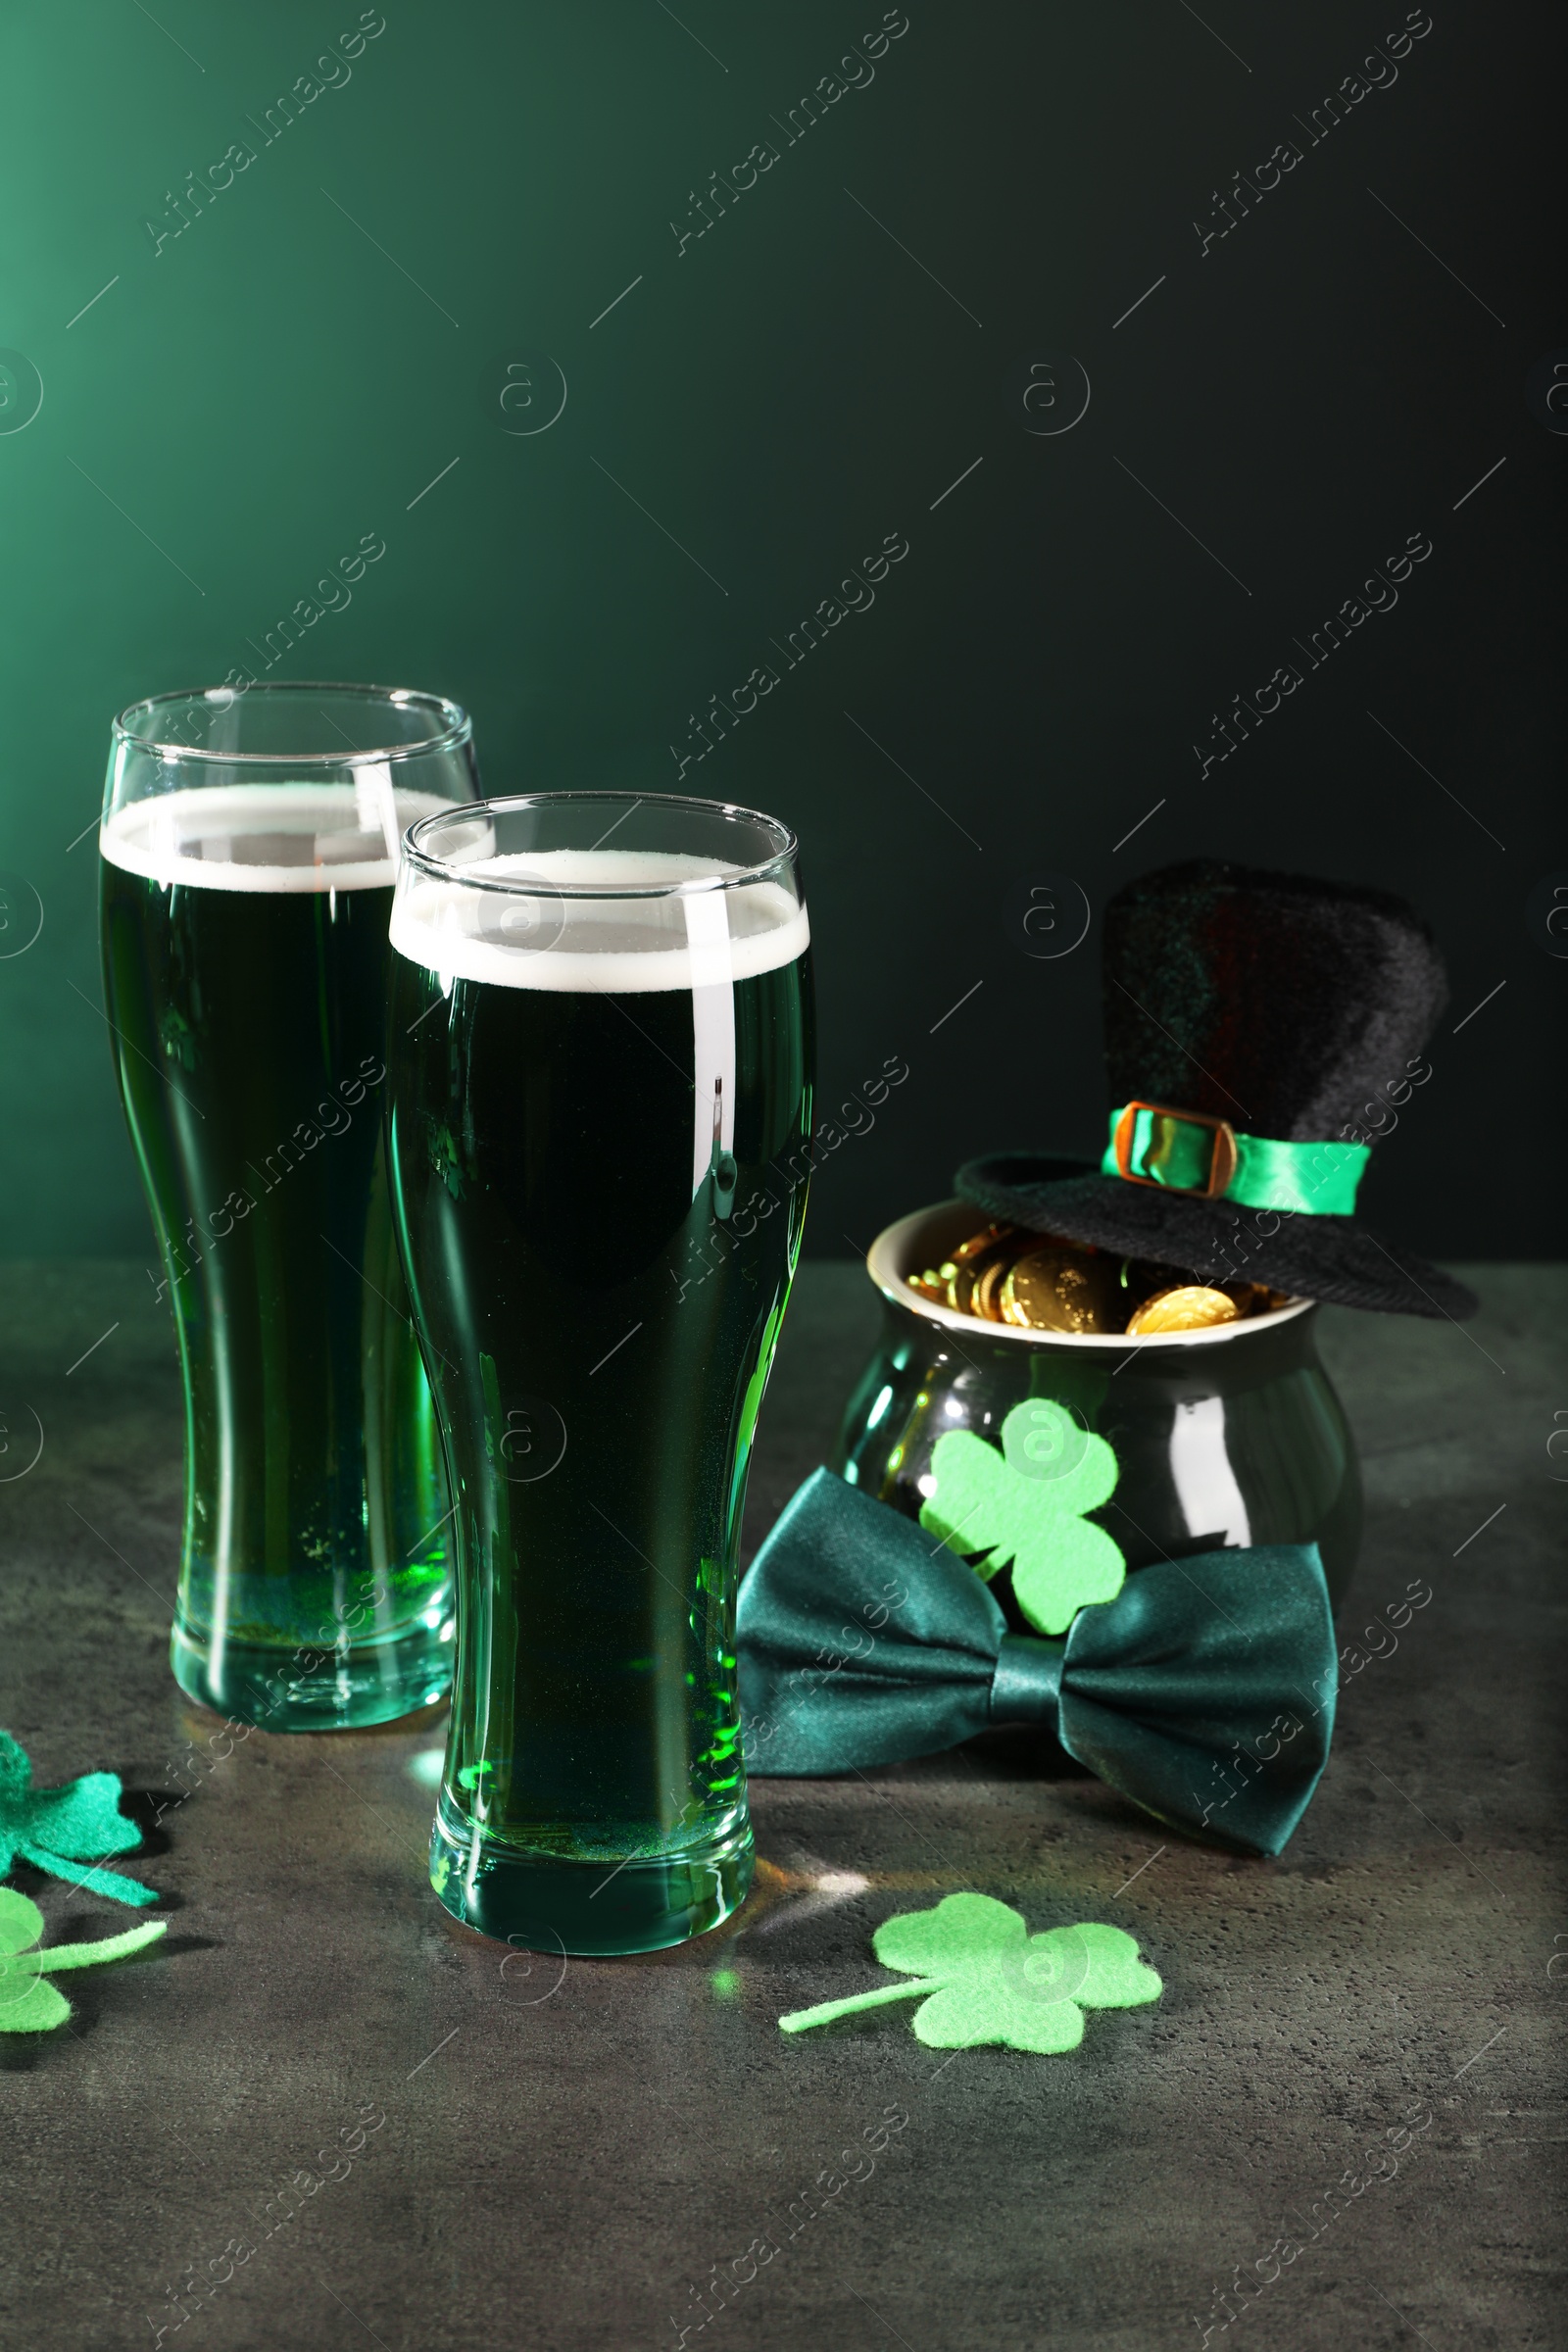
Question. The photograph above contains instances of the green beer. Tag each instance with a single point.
(599, 1116)
(245, 974)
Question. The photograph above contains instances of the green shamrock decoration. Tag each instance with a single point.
(1025, 1504)
(56, 1829)
(28, 2005)
(987, 1978)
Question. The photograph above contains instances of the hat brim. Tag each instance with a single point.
(1336, 1260)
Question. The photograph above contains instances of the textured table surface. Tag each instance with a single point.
(569, 2150)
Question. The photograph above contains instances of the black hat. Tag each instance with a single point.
(1262, 1031)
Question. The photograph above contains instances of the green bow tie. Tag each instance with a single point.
(1205, 1691)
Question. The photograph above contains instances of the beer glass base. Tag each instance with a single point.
(303, 1689)
(587, 1909)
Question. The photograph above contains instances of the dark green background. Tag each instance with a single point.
(792, 387)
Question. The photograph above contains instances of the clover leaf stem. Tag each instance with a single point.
(826, 2011)
(84, 1876)
(87, 1955)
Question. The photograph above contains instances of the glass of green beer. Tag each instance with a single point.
(249, 849)
(599, 1120)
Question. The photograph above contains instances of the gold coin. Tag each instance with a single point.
(1057, 1288)
(966, 1276)
(984, 1301)
(960, 1271)
(1136, 1279)
(1191, 1309)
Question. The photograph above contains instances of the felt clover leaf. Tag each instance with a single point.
(28, 2005)
(1025, 1504)
(56, 1829)
(987, 1980)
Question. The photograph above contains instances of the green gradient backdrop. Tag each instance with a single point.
(241, 405)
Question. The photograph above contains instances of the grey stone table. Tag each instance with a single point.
(568, 2151)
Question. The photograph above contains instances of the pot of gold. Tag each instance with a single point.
(1086, 1369)
(1029, 1387)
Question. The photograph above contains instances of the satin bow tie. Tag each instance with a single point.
(1205, 1691)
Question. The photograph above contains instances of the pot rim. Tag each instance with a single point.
(887, 1253)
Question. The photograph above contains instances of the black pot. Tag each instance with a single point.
(1228, 1436)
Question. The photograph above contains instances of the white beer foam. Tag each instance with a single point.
(598, 947)
(269, 837)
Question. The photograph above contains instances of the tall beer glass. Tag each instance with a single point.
(600, 1118)
(249, 847)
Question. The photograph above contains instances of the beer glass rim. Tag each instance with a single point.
(456, 727)
(537, 886)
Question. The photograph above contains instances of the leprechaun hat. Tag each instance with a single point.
(1261, 1031)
